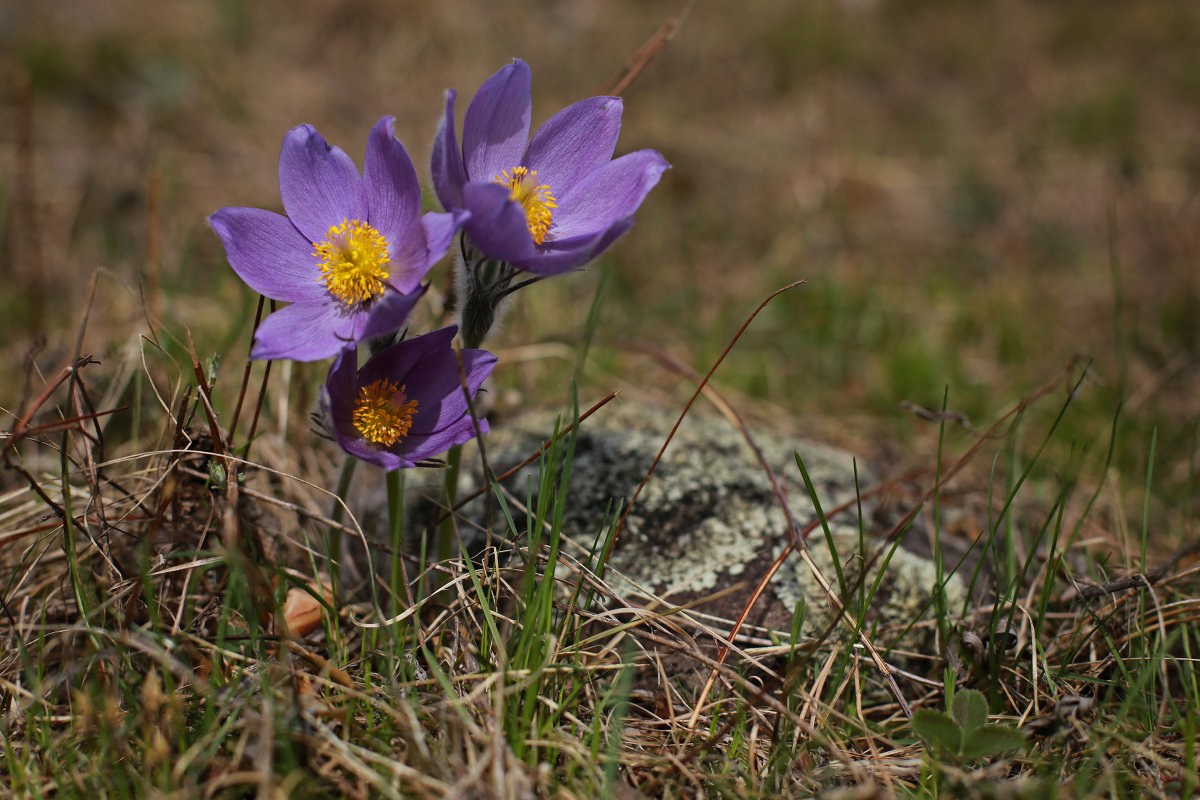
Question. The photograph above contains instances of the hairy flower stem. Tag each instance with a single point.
(483, 286)
(335, 534)
(395, 498)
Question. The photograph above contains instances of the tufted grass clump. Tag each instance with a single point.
(183, 635)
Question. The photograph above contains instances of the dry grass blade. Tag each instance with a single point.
(633, 66)
(691, 401)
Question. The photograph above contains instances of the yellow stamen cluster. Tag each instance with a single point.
(383, 413)
(537, 200)
(353, 260)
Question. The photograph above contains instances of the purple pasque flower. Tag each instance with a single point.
(351, 252)
(406, 404)
(547, 204)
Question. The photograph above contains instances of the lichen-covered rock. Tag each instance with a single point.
(708, 518)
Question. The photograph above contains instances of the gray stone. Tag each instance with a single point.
(708, 518)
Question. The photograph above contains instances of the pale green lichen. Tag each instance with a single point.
(708, 512)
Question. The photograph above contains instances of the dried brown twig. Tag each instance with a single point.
(633, 66)
(1140, 580)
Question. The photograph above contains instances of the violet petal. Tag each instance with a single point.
(386, 314)
(319, 184)
(607, 194)
(574, 142)
(496, 125)
(304, 332)
(446, 165)
(269, 254)
(498, 225)
(441, 387)
(373, 453)
(429, 445)
(392, 190)
(559, 257)
(396, 363)
(342, 387)
(439, 233)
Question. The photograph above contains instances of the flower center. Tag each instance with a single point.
(383, 413)
(353, 260)
(537, 201)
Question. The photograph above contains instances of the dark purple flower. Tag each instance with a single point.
(351, 252)
(546, 204)
(406, 404)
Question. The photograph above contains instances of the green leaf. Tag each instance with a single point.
(969, 709)
(213, 364)
(937, 729)
(216, 474)
(990, 740)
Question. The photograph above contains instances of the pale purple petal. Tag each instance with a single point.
(607, 194)
(392, 190)
(498, 225)
(496, 126)
(439, 233)
(269, 254)
(411, 263)
(574, 142)
(319, 184)
(446, 166)
(304, 332)
(386, 314)
(441, 386)
(426, 245)
(560, 256)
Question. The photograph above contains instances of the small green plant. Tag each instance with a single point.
(964, 734)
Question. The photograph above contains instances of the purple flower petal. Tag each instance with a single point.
(446, 166)
(386, 314)
(439, 233)
(498, 225)
(340, 388)
(304, 332)
(594, 196)
(496, 126)
(423, 446)
(560, 256)
(607, 194)
(340, 393)
(373, 453)
(319, 184)
(269, 254)
(443, 381)
(397, 362)
(575, 141)
(426, 367)
(390, 183)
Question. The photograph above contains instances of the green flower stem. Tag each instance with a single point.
(395, 496)
(335, 534)
(446, 546)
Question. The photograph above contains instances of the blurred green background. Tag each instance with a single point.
(975, 192)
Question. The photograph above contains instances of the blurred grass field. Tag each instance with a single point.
(975, 192)
(982, 198)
